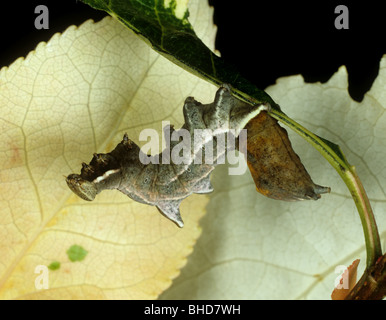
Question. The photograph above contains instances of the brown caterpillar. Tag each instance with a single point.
(166, 185)
(128, 169)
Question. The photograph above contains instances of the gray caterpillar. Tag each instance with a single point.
(166, 185)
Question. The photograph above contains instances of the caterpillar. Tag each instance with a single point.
(165, 184)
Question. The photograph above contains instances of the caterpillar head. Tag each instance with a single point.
(101, 173)
(84, 189)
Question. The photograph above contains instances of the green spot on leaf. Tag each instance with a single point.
(76, 253)
(55, 265)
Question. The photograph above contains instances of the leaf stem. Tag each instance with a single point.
(370, 230)
(332, 153)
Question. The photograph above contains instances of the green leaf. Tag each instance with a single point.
(170, 34)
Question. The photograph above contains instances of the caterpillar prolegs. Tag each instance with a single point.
(165, 184)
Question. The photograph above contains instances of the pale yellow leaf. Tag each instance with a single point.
(71, 97)
(253, 247)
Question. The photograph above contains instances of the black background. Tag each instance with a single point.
(265, 40)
